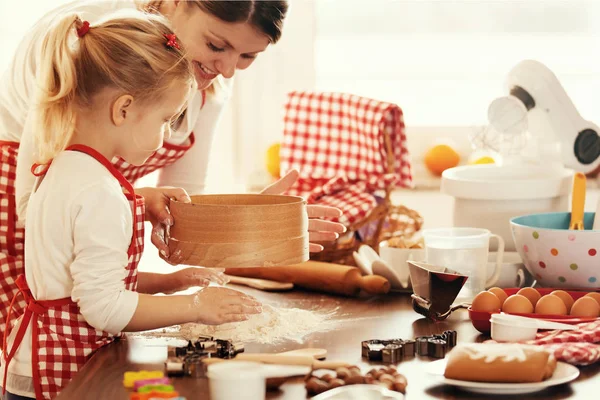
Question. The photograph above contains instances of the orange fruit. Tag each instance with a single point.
(441, 157)
(272, 160)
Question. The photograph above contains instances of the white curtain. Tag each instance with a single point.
(255, 119)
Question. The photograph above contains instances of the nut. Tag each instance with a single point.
(312, 384)
(386, 378)
(370, 380)
(354, 380)
(390, 370)
(316, 386)
(377, 374)
(336, 383)
(385, 384)
(400, 383)
(342, 372)
(327, 378)
(354, 368)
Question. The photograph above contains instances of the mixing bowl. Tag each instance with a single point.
(556, 256)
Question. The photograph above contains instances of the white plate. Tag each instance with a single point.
(564, 373)
(359, 392)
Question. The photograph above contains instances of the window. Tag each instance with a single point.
(444, 61)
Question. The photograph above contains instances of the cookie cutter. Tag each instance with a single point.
(393, 351)
(187, 360)
(435, 289)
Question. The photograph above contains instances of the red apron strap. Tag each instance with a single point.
(33, 308)
(36, 171)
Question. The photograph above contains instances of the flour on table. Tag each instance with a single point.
(271, 326)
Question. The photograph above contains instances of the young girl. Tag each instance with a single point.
(113, 92)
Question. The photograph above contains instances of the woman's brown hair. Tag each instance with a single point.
(266, 16)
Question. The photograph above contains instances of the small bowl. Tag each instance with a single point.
(556, 256)
(398, 258)
(508, 331)
(242, 230)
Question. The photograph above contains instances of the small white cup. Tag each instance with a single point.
(398, 259)
(240, 380)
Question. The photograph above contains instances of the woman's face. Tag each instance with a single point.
(215, 47)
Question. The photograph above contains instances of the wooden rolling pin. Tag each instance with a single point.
(325, 277)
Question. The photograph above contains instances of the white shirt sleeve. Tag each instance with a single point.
(190, 171)
(24, 180)
(102, 231)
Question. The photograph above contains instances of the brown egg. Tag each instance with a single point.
(500, 293)
(551, 304)
(594, 295)
(486, 301)
(566, 298)
(517, 304)
(532, 294)
(585, 307)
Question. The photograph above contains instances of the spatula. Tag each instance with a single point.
(577, 202)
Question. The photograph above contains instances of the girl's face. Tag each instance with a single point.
(149, 124)
(215, 47)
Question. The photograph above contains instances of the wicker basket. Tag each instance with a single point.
(384, 222)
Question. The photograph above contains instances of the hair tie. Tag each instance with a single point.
(85, 27)
(172, 41)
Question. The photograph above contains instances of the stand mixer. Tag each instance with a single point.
(538, 103)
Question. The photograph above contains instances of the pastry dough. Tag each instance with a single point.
(508, 363)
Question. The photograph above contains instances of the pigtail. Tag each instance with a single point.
(57, 82)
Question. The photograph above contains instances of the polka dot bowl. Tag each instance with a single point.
(556, 256)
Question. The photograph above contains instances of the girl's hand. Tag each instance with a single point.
(157, 212)
(191, 277)
(218, 305)
(319, 230)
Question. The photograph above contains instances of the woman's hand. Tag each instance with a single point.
(319, 230)
(157, 212)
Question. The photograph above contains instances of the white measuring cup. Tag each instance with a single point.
(464, 250)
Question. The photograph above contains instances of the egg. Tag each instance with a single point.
(517, 304)
(566, 298)
(532, 294)
(500, 293)
(486, 301)
(551, 304)
(594, 295)
(585, 307)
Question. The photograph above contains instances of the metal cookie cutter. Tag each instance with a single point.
(188, 360)
(436, 346)
(390, 351)
(435, 289)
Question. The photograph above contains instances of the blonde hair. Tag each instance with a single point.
(127, 52)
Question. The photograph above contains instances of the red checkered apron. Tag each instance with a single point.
(338, 143)
(12, 237)
(62, 341)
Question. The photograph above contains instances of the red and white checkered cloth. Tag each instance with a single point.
(577, 347)
(337, 143)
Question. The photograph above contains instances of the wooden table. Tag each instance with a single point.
(374, 318)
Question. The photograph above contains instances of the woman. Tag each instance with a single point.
(220, 37)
